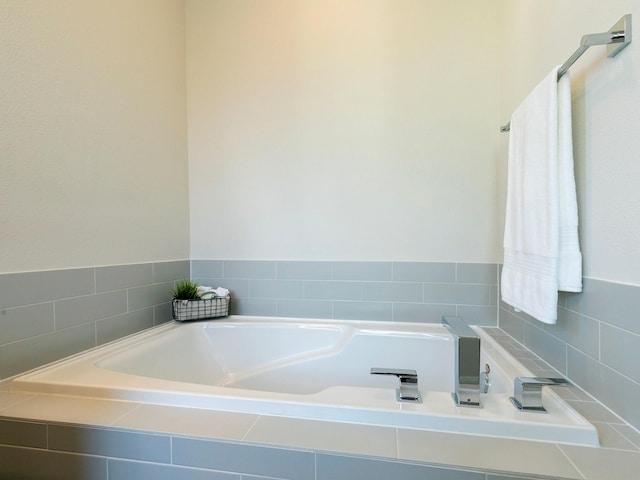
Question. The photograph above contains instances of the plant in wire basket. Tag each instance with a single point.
(187, 303)
(186, 290)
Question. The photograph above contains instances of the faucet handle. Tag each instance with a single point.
(408, 391)
(409, 376)
(527, 391)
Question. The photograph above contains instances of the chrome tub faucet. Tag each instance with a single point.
(408, 391)
(527, 392)
(467, 362)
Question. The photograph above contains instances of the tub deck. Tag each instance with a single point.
(320, 373)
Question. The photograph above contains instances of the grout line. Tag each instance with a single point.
(599, 341)
(137, 406)
(55, 323)
(244, 437)
(397, 443)
(559, 447)
(624, 436)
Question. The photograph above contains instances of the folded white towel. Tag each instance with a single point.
(541, 250)
(221, 292)
(207, 293)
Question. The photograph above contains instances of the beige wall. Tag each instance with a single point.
(353, 130)
(539, 34)
(92, 133)
(343, 129)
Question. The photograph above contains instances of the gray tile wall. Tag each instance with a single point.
(595, 342)
(42, 450)
(45, 316)
(48, 315)
(390, 291)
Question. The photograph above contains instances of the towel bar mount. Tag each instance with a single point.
(616, 38)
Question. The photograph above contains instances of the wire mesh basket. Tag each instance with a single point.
(184, 310)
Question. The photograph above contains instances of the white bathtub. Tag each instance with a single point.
(313, 369)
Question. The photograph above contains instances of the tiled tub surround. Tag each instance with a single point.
(595, 342)
(38, 433)
(45, 316)
(57, 437)
(390, 291)
(313, 369)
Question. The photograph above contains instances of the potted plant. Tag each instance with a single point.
(186, 290)
(187, 303)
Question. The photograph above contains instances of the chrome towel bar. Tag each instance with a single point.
(616, 39)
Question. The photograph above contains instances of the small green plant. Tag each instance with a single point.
(186, 290)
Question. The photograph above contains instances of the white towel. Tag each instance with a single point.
(221, 292)
(541, 249)
(569, 256)
(207, 293)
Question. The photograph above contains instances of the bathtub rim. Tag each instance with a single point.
(342, 414)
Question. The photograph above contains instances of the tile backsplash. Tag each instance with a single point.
(595, 342)
(45, 316)
(387, 291)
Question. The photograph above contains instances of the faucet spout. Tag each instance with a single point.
(408, 391)
(467, 362)
(527, 392)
